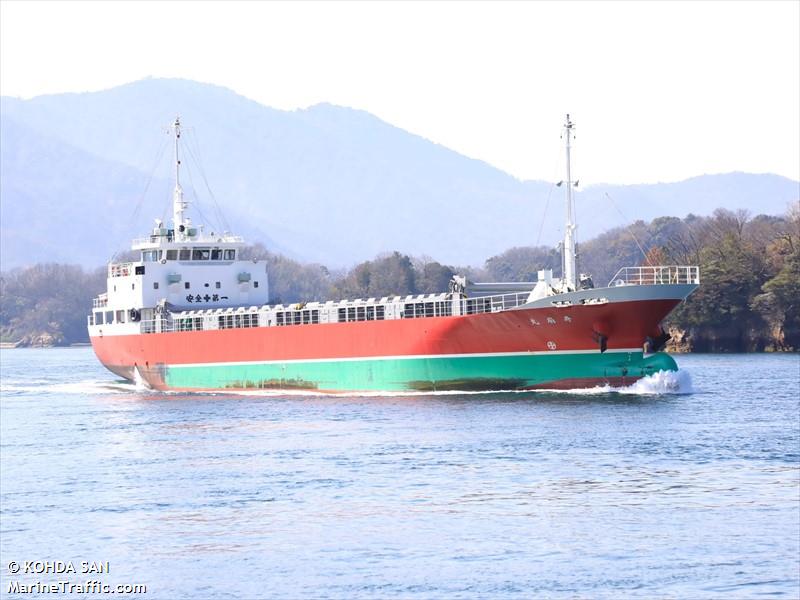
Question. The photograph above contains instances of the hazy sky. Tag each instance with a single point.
(659, 91)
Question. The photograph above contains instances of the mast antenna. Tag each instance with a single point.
(178, 203)
(569, 247)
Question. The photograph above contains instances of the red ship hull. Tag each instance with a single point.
(515, 349)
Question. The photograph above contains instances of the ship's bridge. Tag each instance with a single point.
(190, 245)
(183, 271)
(186, 236)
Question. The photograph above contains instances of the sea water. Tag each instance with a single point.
(684, 485)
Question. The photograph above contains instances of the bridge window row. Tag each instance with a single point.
(189, 254)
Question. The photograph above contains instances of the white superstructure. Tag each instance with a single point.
(179, 268)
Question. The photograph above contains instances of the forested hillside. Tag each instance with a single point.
(748, 299)
(47, 304)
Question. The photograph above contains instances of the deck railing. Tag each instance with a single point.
(659, 275)
(497, 303)
(210, 241)
(100, 302)
(423, 308)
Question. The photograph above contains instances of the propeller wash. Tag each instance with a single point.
(192, 315)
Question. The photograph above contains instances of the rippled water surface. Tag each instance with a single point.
(504, 495)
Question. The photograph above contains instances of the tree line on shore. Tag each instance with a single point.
(748, 300)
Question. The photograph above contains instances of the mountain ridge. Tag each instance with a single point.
(324, 183)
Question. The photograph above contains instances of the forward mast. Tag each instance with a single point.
(569, 248)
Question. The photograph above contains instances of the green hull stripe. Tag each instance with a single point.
(405, 357)
(421, 374)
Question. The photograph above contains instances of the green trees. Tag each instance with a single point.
(780, 300)
(48, 303)
(719, 312)
(522, 263)
(393, 274)
(434, 277)
(749, 297)
(291, 280)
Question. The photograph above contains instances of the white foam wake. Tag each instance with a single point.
(659, 383)
(89, 386)
(139, 383)
(662, 382)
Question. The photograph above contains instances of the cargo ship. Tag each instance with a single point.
(191, 314)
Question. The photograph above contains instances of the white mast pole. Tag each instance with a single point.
(178, 204)
(570, 279)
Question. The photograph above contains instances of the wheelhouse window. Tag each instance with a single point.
(185, 254)
(201, 253)
(230, 254)
(172, 255)
(216, 254)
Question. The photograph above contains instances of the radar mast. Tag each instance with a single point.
(179, 205)
(569, 248)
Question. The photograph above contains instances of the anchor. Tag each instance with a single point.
(657, 343)
(601, 339)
